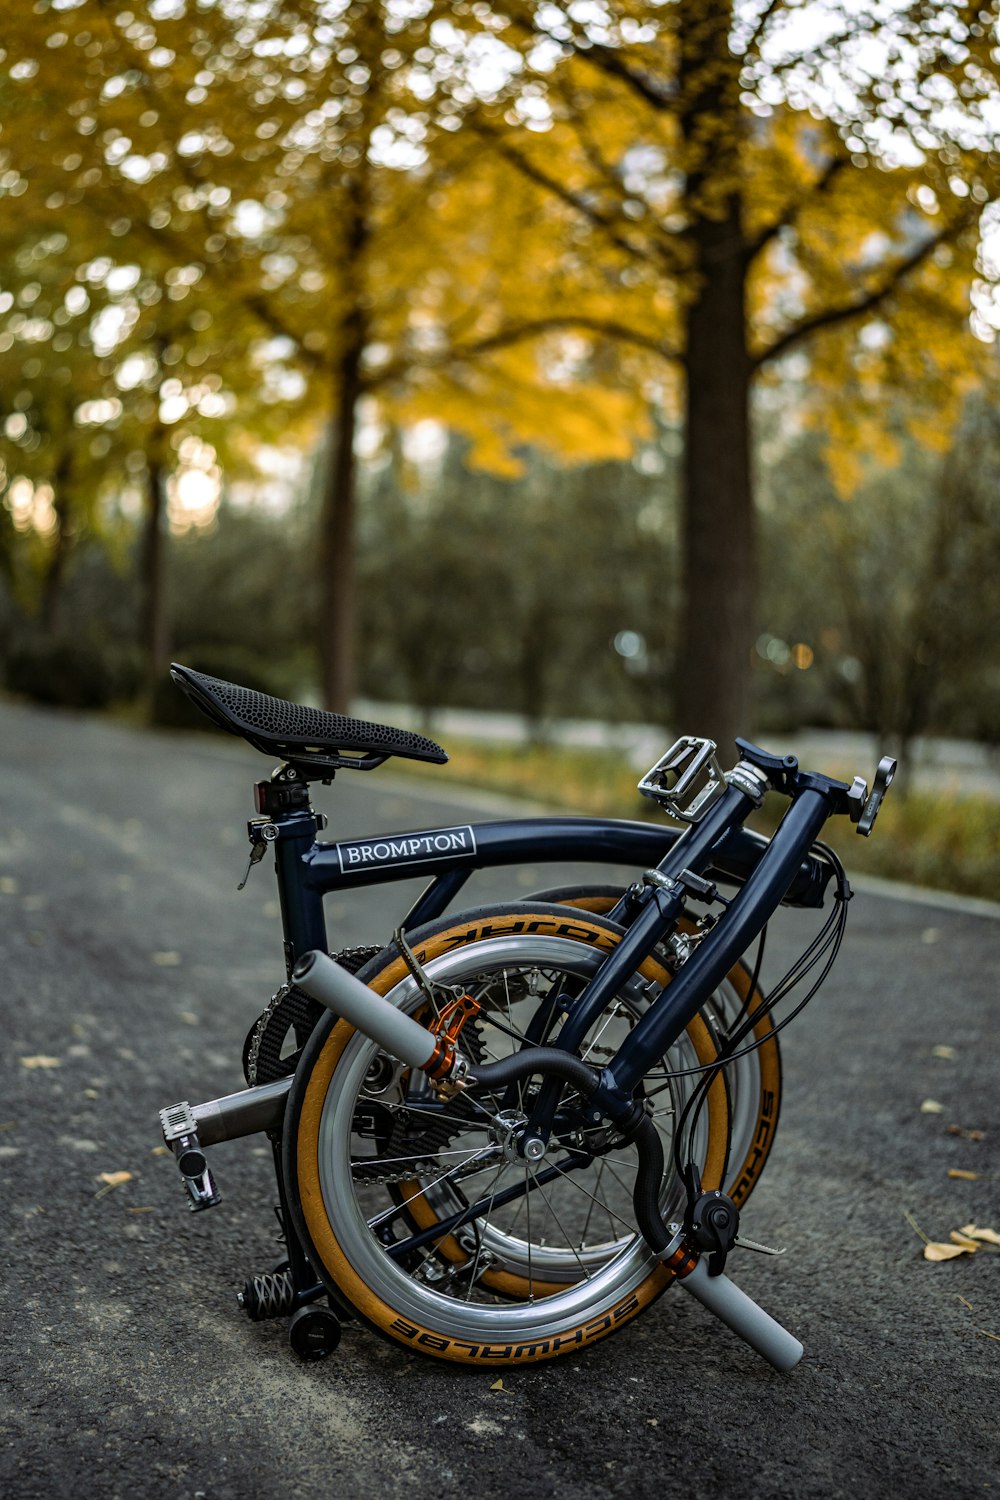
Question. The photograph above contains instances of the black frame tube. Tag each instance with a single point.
(307, 870)
(712, 960)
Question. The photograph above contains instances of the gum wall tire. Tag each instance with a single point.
(336, 1234)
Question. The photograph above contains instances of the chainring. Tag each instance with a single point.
(289, 1011)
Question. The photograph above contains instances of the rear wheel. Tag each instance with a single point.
(420, 1212)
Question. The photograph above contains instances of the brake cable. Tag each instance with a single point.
(829, 937)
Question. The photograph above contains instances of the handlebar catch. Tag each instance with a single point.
(864, 811)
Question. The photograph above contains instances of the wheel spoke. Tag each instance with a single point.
(629, 1166)
(600, 1202)
(590, 1210)
(615, 1011)
(569, 1246)
(401, 1161)
(450, 1176)
(483, 1227)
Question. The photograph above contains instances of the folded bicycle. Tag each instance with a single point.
(503, 1135)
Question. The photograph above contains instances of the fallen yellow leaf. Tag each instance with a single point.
(497, 1385)
(41, 1062)
(115, 1179)
(931, 1107)
(934, 1250)
(965, 1176)
(988, 1236)
(943, 1051)
(963, 1240)
(166, 959)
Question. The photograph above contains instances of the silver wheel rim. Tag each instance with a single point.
(601, 1272)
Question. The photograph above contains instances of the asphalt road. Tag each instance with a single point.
(131, 963)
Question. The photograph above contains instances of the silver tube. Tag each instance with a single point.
(323, 980)
(740, 1313)
(245, 1113)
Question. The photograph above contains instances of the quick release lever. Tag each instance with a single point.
(261, 832)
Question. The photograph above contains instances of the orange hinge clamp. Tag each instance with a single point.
(447, 1028)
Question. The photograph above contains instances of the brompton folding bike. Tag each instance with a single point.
(500, 1137)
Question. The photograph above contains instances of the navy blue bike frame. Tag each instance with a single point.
(717, 846)
(307, 870)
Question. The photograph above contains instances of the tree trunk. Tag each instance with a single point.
(55, 573)
(717, 518)
(154, 629)
(62, 543)
(337, 530)
(717, 528)
(337, 542)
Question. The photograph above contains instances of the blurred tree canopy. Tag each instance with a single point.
(901, 616)
(558, 230)
(775, 178)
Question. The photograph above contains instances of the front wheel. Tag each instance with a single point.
(420, 1213)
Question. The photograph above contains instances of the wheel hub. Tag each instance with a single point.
(509, 1131)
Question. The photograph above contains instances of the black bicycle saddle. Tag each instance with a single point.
(317, 743)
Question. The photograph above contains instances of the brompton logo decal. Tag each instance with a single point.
(401, 848)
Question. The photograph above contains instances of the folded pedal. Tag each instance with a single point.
(180, 1132)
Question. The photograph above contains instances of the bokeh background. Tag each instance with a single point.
(607, 361)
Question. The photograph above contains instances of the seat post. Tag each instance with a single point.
(286, 799)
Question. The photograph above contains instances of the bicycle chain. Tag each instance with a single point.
(257, 1033)
(427, 1171)
(431, 1138)
(300, 1012)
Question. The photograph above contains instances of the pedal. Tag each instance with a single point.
(686, 781)
(742, 1243)
(180, 1132)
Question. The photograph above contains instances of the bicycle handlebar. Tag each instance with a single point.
(747, 1320)
(319, 977)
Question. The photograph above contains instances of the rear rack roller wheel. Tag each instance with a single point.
(313, 1333)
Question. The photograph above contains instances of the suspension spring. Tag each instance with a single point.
(270, 1295)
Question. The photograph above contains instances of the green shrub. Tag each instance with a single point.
(71, 674)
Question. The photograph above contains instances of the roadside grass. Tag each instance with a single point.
(945, 842)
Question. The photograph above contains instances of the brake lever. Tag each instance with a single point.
(711, 1222)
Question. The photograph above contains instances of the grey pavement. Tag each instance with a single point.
(132, 969)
